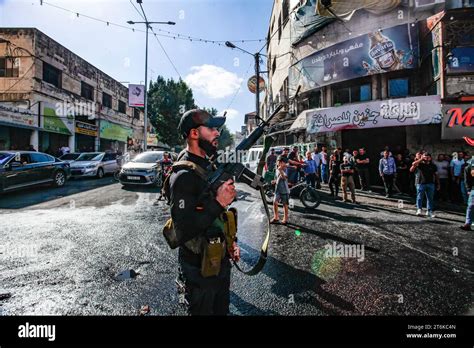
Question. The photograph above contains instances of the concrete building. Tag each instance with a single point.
(51, 97)
(399, 73)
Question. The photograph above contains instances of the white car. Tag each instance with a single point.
(144, 169)
(94, 164)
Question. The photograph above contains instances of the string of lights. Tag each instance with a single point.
(163, 33)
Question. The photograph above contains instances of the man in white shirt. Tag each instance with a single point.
(316, 156)
(65, 149)
(324, 164)
(443, 165)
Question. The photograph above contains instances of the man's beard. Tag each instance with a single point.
(207, 146)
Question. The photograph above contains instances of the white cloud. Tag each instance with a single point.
(232, 114)
(213, 81)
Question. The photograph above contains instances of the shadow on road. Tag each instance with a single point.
(304, 287)
(39, 194)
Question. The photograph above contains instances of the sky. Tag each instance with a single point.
(217, 74)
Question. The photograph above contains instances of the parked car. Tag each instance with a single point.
(69, 157)
(94, 164)
(144, 169)
(20, 169)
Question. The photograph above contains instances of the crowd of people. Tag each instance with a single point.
(447, 178)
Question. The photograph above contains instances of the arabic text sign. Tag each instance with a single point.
(386, 113)
(377, 52)
(136, 95)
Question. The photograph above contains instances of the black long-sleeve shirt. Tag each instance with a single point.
(193, 207)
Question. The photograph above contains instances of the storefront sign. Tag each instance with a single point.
(136, 95)
(151, 139)
(387, 113)
(55, 122)
(86, 129)
(18, 116)
(377, 52)
(458, 121)
(114, 131)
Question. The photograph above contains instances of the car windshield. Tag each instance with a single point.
(90, 157)
(69, 156)
(4, 157)
(149, 157)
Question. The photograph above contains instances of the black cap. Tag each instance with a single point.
(195, 118)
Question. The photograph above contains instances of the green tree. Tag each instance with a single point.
(167, 101)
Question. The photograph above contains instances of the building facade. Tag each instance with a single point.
(51, 97)
(395, 73)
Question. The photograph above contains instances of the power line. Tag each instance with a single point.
(238, 90)
(169, 34)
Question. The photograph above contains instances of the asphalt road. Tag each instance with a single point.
(64, 251)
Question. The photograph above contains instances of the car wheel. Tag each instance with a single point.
(59, 178)
(100, 173)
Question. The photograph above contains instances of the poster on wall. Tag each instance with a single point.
(377, 52)
(409, 111)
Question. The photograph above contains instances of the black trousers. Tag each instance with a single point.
(364, 178)
(311, 179)
(206, 296)
(334, 183)
(388, 183)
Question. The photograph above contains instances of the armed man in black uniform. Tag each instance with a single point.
(196, 214)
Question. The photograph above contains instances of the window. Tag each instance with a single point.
(38, 158)
(8, 68)
(87, 91)
(352, 94)
(314, 100)
(121, 107)
(107, 100)
(136, 113)
(398, 87)
(52, 75)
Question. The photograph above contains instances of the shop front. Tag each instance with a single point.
(405, 123)
(113, 137)
(57, 131)
(86, 135)
(18, 129)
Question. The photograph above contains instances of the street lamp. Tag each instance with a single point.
(147, 25)
(256, 56)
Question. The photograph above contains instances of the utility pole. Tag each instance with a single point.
(147, 25)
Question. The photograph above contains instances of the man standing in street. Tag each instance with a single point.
(310, 170)
(347, 179)
(324, 164)
(426, 175)
(362, 163)
(196, 215)
(469, 181)
(271, 161)
(387, 170)
(293, 161)
(316, 156)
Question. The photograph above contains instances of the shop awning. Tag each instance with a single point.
(300, 122)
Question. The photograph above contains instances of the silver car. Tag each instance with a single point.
(94, 164)
(144, 169)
